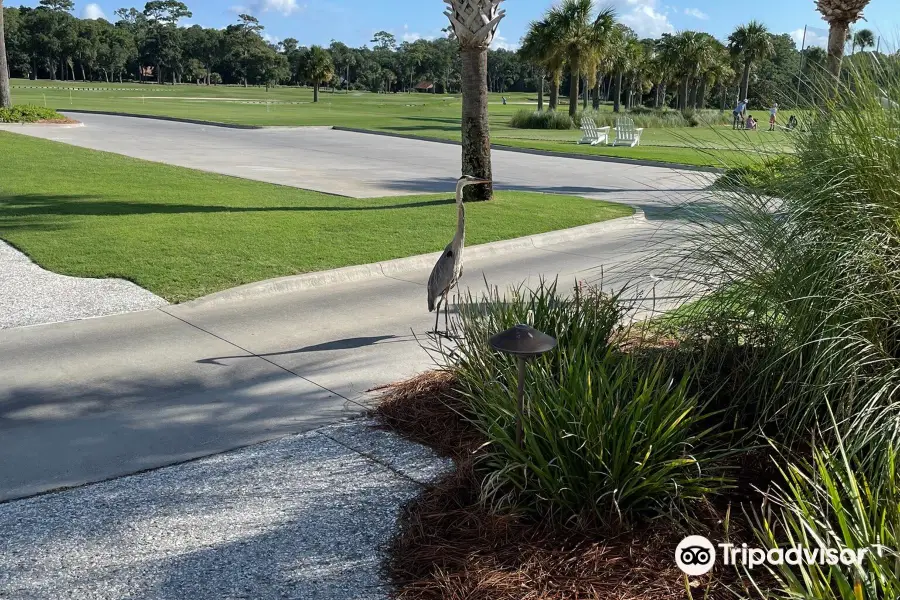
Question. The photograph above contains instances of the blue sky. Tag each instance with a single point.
(354, 21)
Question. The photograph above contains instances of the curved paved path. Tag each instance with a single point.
(364, 165)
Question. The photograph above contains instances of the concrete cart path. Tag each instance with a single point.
(90, 400)
(304, 517)
(363, 165)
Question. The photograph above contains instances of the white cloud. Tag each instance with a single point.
(410, 36)
(92, 11)
(271, 38)
(812, 38)
(501, 43)
(645, 18)
(256, 7)
(696, 13)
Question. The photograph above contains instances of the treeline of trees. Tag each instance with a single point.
(685, 70)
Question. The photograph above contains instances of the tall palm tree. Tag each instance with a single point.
(751, 42)
(862, 39)
(622, 51)
(668, 65)
(840, 14)
(582, 34)
(319, 68)
(474, 24)
(539, 48)
(712, 52)
(5, 98)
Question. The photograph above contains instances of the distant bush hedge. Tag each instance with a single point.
(29, 113)
(641, 115)
(541, 119)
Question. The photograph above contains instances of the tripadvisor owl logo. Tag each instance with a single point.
(695, 555)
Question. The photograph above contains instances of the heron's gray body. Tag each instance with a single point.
(448, 270)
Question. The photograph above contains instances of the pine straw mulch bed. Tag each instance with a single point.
(451, 547)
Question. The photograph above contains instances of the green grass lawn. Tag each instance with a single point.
(184, 234)
(428, 115)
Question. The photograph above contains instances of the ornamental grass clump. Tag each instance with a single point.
(541, 119)
(814, 275)
(836, 501)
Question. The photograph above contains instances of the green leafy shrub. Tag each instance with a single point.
(831, 502)
(607, 439)
(766, 177)
(543, 119)
(29, 113)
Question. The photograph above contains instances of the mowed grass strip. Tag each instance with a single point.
(423, 115)
(183, 234)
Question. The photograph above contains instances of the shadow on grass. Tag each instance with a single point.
(40, 204)
(450, 120)
(415, 128)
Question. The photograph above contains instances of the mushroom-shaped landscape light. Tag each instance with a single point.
(523, 342)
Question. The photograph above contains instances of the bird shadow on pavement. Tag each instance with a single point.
(344, 344)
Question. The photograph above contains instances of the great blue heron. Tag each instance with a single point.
(448, 270)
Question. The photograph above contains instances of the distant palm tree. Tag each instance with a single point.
(751, 42)
(539, 48)
(668, 64)
(474, 24)
(713, 63)
(318, 68)
(582, 33)
(862, 39)
(5, 98)
(622, 51)
(840, 14)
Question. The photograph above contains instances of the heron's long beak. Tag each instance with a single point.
(477, 181)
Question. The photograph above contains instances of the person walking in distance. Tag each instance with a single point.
(773, 113)
(738, 113)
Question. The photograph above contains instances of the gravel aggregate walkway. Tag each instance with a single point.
(29, 295)
(301, 517)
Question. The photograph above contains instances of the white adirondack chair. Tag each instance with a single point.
(592, 134)
(626, 133)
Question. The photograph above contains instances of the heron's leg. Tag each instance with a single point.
(437, 313)
(446, 313)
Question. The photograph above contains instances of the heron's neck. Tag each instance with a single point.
(460, 237)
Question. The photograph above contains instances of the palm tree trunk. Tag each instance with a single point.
(5, 97)
(837, 37)
(541, 94)
(584, 97)
(617, 92)
(316, 92)
(596, 94)
(701, 94)
(554, 91)
(476, 132)
(745, 81)
(574, 80)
